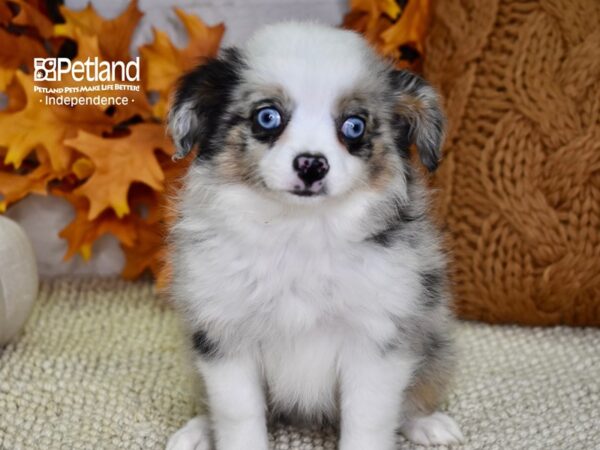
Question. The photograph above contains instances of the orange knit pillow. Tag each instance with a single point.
(519, 189)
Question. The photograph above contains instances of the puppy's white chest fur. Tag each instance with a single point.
(280, 280)
(300, 290)
(274, 272)
(301, 373)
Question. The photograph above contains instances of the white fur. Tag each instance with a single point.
(194, 435)
(436, 429)
(180, 122)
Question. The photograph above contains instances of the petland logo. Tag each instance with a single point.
(92, 69)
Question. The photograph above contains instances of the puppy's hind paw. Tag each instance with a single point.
(194, 435)
(436, 429)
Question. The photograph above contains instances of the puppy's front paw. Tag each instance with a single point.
(194, 435)
(436, 429)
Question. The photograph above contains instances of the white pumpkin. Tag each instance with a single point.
(18, 279)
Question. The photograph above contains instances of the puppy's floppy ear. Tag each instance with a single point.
(200, 100)
(418, 104)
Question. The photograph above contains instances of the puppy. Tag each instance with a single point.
(306, 271)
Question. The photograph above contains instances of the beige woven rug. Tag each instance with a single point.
(100, 366)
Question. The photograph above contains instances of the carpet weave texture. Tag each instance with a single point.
(101, 365)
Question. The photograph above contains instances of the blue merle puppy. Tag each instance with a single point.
(306, 270)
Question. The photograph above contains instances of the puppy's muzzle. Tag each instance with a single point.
(311, 169)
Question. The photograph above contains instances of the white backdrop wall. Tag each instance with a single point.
(43, 217)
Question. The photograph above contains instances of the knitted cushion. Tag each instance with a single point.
(519, 190)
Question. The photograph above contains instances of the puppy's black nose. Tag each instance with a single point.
(311, 168)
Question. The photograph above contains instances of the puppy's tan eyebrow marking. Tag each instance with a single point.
(354, 104)
(265, 102)
(256, 96)
(363, 113)
(254, 92)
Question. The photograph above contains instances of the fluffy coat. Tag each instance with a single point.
(326, 302)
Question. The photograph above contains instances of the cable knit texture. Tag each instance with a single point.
(101, 365)
(519, 190)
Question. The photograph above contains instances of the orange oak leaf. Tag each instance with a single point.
(411, 29)
(203, 40)
(25, 34)
(137, 101)
(6, 14)
(14, 185)
(82, 232)
(14, 91)
(146, 253)
(397, 33)
(163, 63)
(114, 35)
(160, 215)
(146, 203)
(6, 76)
(83, 168)
(366, 13)
(376, 7)
(19, 50)
(118, 162)
(29, 15)
(38, 124)
(161, 67)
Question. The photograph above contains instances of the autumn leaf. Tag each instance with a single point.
(13, 89)
(6, 76)
(146, 203)
(19, 50)
(397, 33)
(114, 36)
(163, 63)
(391, 8)
(203, 41)
(150, 252)
(85, 20)
(146, 253)
(14, 185)
(368, 12)
(6, 14)
(137, 101)
(410, 29)
(83, 168)
(107, 40)
(375, 8)
(47, 126)
(118, 162)
(82, 232)
(29, 16)
(22, 34)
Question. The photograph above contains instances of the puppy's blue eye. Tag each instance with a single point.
(268, 118)
(353, 128)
